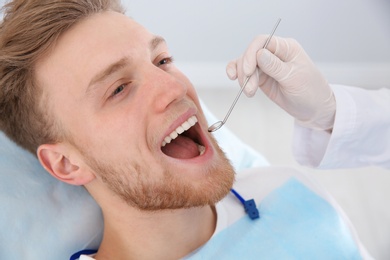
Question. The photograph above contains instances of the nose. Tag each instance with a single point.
(164, 88)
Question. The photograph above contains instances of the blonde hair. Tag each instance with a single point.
(28, 30)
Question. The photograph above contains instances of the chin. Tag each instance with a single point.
(202, 183)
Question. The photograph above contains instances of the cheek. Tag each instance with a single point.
(115, 128)
(123, 155)
(106, 139)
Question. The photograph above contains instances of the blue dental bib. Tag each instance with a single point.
(294, 223)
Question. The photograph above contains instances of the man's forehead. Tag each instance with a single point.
(98, 37)
(102, 27)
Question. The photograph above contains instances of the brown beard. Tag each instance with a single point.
(137, 187)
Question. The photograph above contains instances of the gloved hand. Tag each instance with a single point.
(286, 74)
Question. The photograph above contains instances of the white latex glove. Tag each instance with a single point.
(286, 74)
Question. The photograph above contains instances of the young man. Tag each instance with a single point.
(97, 98)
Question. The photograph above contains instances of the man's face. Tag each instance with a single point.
(114, 91)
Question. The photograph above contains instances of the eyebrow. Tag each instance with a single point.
(101, 76)
(114, 67)
(157, 40)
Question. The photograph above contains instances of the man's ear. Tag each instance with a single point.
(55, 158)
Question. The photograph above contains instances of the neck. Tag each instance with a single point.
(165, 234)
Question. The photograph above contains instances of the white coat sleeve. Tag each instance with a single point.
(360, 136)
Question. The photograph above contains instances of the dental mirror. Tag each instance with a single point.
(217, 125)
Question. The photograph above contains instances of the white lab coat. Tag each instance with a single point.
(360, 137)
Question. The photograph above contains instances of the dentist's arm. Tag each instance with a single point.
(360, 135)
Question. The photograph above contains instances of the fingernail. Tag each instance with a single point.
(250, 90)
(231, 73)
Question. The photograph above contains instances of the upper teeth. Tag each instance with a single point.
(179, 130)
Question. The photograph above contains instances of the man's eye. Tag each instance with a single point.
(118, 90)
(165, 61)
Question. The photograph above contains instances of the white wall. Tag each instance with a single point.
(349, 40)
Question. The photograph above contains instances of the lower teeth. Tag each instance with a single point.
(201, 149)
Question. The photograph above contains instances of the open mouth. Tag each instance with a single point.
(184, 142)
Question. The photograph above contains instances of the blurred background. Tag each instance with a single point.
(348, 40)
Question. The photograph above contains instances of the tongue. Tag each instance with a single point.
(181, 148)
